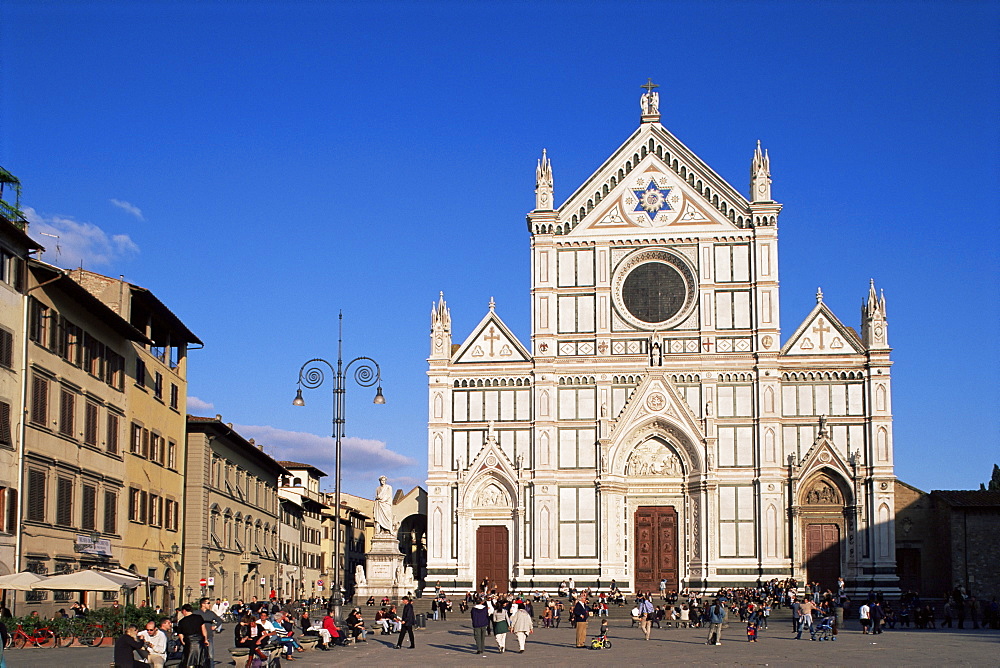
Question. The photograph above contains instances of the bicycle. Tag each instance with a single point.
(40, 637)
(90, 635)
(600, 642)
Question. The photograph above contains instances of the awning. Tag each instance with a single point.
(20, 581)
(121, 572)
(88, 581)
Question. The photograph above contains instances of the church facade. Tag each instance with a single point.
(657, 425)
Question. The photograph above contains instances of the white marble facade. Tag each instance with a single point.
(657, 384)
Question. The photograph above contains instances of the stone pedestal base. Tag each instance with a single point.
(384, 572)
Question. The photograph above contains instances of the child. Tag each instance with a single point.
(604, 627)
(752, 623)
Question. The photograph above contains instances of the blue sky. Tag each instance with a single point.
(261, 166)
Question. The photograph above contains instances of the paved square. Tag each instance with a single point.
(450, 643)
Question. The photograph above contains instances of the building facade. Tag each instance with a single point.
(155, 401)
(231, 514)
(303, 576)
(74, 431)
(657, 424)
(15, 245)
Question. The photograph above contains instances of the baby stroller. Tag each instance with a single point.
(824, 629)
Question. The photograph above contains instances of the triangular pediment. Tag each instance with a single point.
(823, 455)
(653, 181)
(491, 341)
(822, 333)
(656, 396)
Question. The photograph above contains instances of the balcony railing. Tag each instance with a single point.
(12, 214)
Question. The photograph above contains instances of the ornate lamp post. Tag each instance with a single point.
(366, 373)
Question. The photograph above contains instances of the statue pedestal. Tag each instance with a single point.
(384, 572)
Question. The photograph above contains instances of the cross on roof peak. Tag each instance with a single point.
(649, 85)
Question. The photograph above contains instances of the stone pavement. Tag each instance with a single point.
(450, 644)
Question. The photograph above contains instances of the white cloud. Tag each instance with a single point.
(70, 243)
(363, 459)
(128, 207)
(196, 404)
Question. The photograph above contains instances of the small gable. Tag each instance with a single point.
(822, 333)
(491, 341)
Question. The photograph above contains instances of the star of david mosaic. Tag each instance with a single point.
(653, 199)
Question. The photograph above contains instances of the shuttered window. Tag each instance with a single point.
(67, 412)
(6, 433)
(88, 518)
(135, 443)
(112, 434)
(64, 501)
(40, 400)
(36, 495)
(90, 424)
(6, 349)
(133, 504)
(110, 512)
(11, 512)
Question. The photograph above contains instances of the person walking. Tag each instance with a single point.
(213, 623)
(521, 624)
(408, 620)
(480, 620)
(191, 628)
(581, 615)
(716, 618)
(501, 623)
(645, 615)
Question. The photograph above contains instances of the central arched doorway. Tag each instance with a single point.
(823, 527)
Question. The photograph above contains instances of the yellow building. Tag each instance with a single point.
(302, 572)
(231, 514)
(356, 526)
(73, 432)
(14, 248)
(155, 424)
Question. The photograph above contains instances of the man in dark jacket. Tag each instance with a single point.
(480, 620)
(581, 615)
(409, 621)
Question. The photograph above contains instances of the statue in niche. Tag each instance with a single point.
(652, 458)
(359, 575)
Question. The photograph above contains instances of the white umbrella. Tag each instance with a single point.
(20, 581)
(121, 572)
(87, 581)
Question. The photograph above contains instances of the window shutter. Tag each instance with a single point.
(64, 502)
(36, 495)
(6, 434)
(145, 443)
(110, 512)
(67, 406)
(143, 507)
(112, 435)
(11, 517)
(40, 400)
(90, 424)
(88, 520)
(6, 349)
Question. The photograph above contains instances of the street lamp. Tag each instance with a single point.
(366, 373)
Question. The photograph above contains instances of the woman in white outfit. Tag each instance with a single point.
(521, 625)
